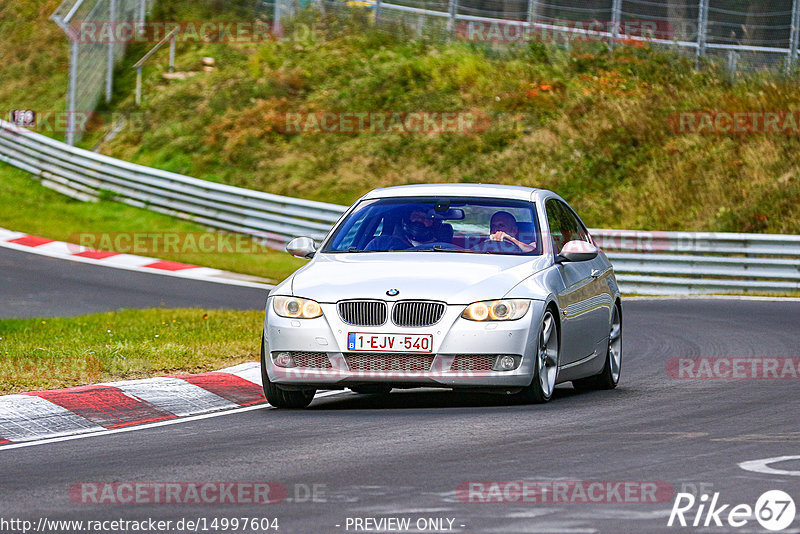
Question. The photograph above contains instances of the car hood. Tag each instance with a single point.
(449, 277)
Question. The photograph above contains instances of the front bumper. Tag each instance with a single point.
(453, 338)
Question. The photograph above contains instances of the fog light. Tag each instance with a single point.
(506, 363)
(283, 359)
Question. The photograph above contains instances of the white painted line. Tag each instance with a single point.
(250, 371)
(762, 466)
(25, 417)
(173, 395)
(712, 297)
(167, 422)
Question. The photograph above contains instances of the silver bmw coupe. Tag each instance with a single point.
(481, 287)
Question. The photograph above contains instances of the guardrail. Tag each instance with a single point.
(646, 262)
(86, 175)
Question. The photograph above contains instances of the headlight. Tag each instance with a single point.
(497, 310)
(296, 308)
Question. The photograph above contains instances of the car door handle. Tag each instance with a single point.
(596, 273)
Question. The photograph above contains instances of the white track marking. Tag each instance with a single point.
(174, 395)
(250, 371)
(26, 417)
(145, 426)
(713, 297)
(762, 466)
(128, 262)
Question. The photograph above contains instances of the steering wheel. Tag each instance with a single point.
(501, 247)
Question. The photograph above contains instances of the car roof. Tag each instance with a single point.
(461, 190)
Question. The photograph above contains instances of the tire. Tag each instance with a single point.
(608, 378)
(377, 389)
(546, 367)
(283, 398)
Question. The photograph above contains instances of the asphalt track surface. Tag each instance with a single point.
(406, 454)
(38, 286)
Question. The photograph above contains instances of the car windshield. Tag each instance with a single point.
(442, 224)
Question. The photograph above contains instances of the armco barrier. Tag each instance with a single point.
(645, 262)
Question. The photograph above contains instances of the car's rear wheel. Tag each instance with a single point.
(544, 376)
(609, 376)
(279, 397)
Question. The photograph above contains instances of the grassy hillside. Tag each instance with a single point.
(34, 53)
(587, 123)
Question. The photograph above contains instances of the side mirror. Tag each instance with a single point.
(577, 251)
(301, 247)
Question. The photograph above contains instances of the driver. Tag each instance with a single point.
(420, 226)
(503, 228)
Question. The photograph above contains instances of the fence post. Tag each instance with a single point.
(533, 8)
(453, 11)
(172, 53)
(616, 15)
(112, 17)
(702, 22)
(733, 57)
(73, 87)
(377, 10)
(791, 60)
(139, 86)
(276, 23)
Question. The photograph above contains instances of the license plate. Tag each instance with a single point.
(366, 342)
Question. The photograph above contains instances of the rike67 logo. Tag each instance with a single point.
(774, 510)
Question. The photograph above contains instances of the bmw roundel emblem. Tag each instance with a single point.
(393, 292)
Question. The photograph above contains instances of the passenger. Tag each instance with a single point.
(503, 228)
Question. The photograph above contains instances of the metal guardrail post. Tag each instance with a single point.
(794, 38)
(616, 16)
(452, 10)
(112, 14)
(533, 8)
(377, 10)
(702, 24)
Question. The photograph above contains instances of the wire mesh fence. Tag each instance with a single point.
(741, 34)
(94, 29)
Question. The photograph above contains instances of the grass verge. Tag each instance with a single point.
(62, 352)
(27, 206)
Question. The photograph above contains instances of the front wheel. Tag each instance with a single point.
(544, 376)
(609, 376)
(279, 397)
